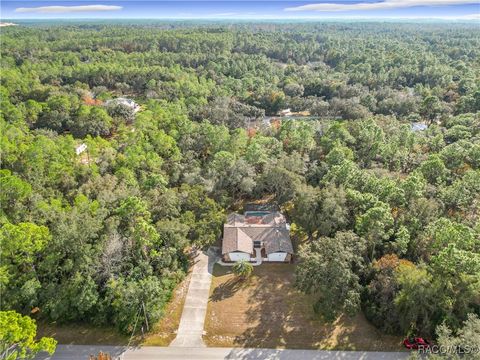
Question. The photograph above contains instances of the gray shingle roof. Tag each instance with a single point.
(234, 239)
(278, 240)
(239, 236)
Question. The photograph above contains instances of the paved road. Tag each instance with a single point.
(190, 330)
(81, 352)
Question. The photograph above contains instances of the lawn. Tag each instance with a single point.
(267, 311)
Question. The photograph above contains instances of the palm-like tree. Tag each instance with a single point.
(243, 269)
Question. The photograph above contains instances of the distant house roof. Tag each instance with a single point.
(418, 126)
(80, 148)
(285, 112)
(124, 101)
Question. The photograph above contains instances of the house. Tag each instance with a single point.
(124, 101)
(80, 149)
(286, 112)
(419, 126)
(257, 235)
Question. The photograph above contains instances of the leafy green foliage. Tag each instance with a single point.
(463, 342)
(390, 212)
(329, 272)
(18, 337)
(242, 269)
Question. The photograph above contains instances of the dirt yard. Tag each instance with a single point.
(266, 311)
(81, 334)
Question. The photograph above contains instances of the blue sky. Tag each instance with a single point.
(198, 9)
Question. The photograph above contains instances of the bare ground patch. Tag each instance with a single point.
(81, 334)
(267, 311)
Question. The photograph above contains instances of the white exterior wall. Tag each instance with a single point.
(277, 256)
(81, 148)
(237, 256)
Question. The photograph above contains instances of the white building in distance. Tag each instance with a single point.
(124, 101)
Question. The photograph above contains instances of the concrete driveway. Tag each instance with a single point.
(190, 330)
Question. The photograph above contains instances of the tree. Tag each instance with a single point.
(296, 136)
(348, 109)
(14, 192)
(413, 186)
(463, 193)
(242, 269)
(305, 209)
(319, 108)
(434, 170)
(381, 291)
(376, 225)
(431, 108)
(229, 112)
(131, 300)
(321, 212)
(280, 182)
(338, 154)
(202, 214)
(416, 301)
(136, 225)
(57, 113)
(272, 101)
(293, 89)
(443, 232)
(18, 337)
(93, 121)
(369, 138)
(121, 112)
(462, 343)
(332, 213)
(21, 246)
(236, 177)
(32, 110)
(329, 270)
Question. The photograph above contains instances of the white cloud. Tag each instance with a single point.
(386, 4)
(68, 9)
(471, 17)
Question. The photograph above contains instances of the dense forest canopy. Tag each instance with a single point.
(388, 215)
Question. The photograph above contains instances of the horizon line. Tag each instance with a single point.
(257, 18)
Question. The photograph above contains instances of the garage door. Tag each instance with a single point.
(277, 256)
(237, 256)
